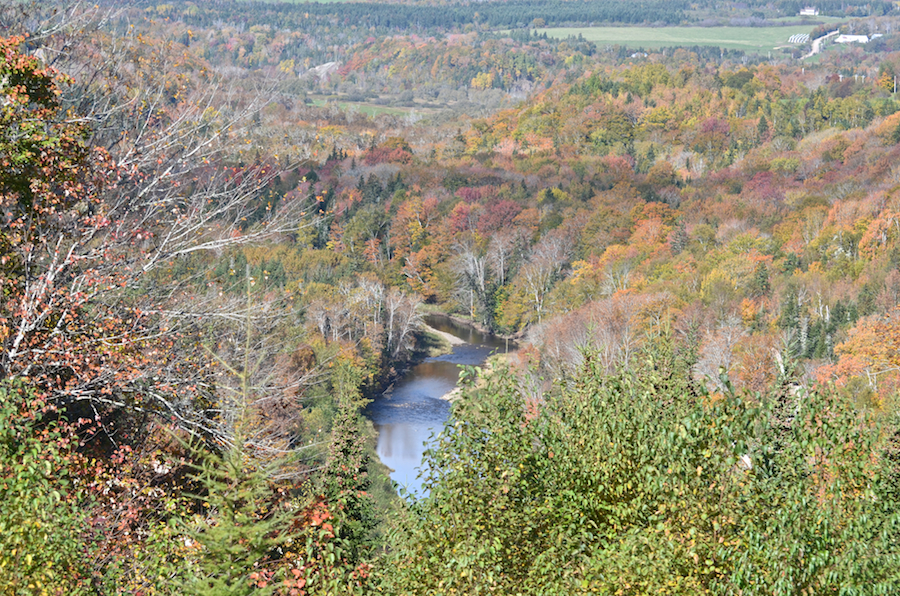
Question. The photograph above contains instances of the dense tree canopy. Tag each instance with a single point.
(643, 482)
(221, 225)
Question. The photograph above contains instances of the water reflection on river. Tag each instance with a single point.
(406, 416)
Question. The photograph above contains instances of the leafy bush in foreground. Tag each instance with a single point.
(639, 483)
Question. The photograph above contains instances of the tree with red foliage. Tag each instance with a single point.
(55, 235)
(393, 150)
(87, 317)
(498, 215)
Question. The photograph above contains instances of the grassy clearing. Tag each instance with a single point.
(737, 38)
(368, 109)
(821, 20)
(297, 1)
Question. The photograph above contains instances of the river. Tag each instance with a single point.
(406, 416)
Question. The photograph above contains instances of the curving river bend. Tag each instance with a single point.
(415, 408)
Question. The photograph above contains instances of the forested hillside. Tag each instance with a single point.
(222, 224)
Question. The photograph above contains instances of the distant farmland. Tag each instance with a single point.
(760, 39)
(370, 109)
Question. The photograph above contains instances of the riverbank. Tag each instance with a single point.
(415, 406)
(485, 370)
(433, 343)
(449, 338)
(490, 364)
(429, 343)
(472, 324)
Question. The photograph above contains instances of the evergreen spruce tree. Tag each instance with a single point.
(338, 547)
(347, 484)
(243, 529)
(243, 526)
(759, 285)
(346, 477)
(762, 129)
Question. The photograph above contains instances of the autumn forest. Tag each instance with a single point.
(223, 225)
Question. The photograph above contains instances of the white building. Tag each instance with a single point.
(852, 39)
(809, 11)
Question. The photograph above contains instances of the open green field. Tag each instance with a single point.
(738, 38)
(297, 1)
(819, 20)
(367, 108)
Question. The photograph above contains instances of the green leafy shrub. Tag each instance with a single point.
(42, 527)
(639, 483)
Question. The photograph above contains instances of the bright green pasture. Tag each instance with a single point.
(367, 108)
(737, 38)
(295, 1)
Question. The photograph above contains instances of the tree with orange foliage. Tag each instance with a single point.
(83, 230)
(870, 357)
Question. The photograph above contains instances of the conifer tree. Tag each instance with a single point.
(762, 129)
(346, 477)
(759, 286)
(243, 528)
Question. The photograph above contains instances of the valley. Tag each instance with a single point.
(254, 257)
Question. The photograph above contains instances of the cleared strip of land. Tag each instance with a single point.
(738, 38)
(369, 109)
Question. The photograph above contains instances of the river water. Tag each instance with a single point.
(407, 416)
